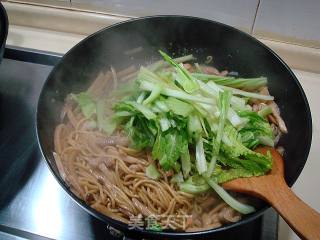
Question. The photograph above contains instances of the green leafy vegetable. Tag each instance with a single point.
(167, 148)
(249, 94)
(177, 178)
(258, 128)
(138, 129)
(233, 148)
(152, 172)
(164, 124)
(178, 107)
(155, 93)
(194, 126)
(255, 163)
(132, 106)
(185, 160)
(201, 162)
(161, 64)
(224, 104)
(100, 113)
(194, 185)
(86, 103)
(233, 173)
(265, 111)
(172, 92)
(183, 77)
(232, 202)
(194, 189)
(242, 83)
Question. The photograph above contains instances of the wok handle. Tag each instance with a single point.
(304, 220)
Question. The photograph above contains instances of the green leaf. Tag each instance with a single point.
(256, 164)
(86, 103)
(183, 77)
(173, 92)
(249, 139)
(233, 173)
(177, 178)
(232, 202)
(155, 93)
(232, 145)
(243, 93)
(256, 131)
(194, 189)
(161, 64)
(152, 172)
(194, 185)
(224, 104)
(265, 111)
(164, 124)
(134, 107)
(185, 160)
(201, 162)
(139, 129)
(128, 89)
(194, 126)
(236, 154)
(242, 83)
(178, 107)
(109, 125)
(168, 147)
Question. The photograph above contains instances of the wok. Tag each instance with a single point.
(3, 30)
(231, 49)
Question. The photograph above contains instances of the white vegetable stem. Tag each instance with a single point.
(249, 94)
(232, 202)
(201, 162)
(149, 86)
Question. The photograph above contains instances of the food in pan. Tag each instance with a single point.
(151, 147)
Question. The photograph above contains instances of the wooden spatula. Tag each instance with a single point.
(272, 188)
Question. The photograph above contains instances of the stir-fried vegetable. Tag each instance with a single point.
(152, 172)
(86, 103)
(197, 125)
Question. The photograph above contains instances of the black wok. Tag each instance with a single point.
(3, 29)
(231, 49)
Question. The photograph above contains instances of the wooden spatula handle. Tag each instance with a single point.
(304, 220)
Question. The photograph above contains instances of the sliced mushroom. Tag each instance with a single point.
(210, 70)
(189, 67)
(224, 73)
(108, 161)
(229, 215)
(276, 114)
(258, 106)
(280, 150)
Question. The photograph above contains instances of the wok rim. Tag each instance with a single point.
(4, 24)
(124, 227)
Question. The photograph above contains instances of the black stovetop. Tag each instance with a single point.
(32, 203)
